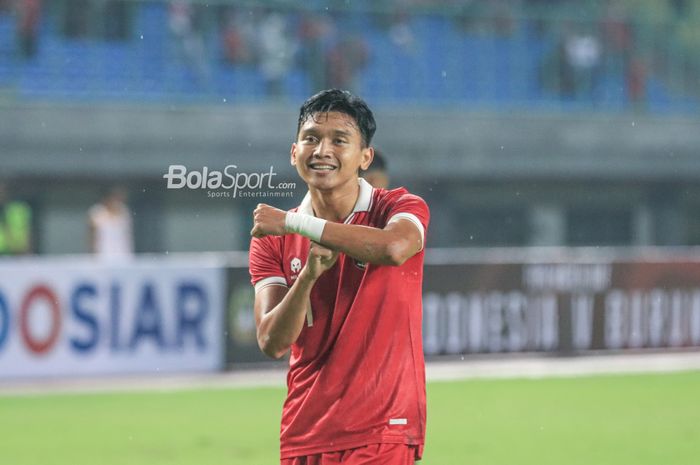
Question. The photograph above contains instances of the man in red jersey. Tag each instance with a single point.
(338, 281)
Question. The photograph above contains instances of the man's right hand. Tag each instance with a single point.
(320, 259)
(268, 221)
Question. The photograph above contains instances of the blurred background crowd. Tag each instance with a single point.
(603, 53)
(522, 122)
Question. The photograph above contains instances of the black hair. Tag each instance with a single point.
(344, 102)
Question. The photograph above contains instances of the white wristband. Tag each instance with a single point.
(306, 225)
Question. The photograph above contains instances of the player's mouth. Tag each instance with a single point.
(322, 167)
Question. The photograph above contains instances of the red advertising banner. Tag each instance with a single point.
(560, 307)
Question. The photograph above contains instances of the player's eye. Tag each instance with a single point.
(310, 139)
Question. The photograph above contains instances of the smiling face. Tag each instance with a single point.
(329, 151)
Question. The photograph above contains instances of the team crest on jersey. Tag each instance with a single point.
(295, 265)
(360, 265)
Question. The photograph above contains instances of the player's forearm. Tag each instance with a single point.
(281, 326)
(367, 244)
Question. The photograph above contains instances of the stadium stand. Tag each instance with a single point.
(434, 55)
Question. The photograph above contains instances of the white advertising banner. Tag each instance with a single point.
(83, 317)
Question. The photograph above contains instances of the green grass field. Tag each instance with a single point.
(604, 420)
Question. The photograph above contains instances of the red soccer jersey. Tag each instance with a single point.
(356, 372)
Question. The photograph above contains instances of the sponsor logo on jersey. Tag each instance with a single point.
(360, 265)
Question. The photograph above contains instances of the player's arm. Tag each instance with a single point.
(280, 313)
(398, 241)
(393, 245)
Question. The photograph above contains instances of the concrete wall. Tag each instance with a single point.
(89, 140)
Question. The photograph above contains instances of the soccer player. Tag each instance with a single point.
(338, 282)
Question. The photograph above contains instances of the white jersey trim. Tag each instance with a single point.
(271, 281)
(413, 219)
(363, 204)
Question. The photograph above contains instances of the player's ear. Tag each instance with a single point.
(293, 154)
(367, 157)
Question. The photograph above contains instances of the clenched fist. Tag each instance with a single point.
(320, 259)
(268, 221)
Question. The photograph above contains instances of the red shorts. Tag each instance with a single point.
(372, 454)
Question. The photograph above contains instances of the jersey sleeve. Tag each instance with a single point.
(265, 263)
(414, 209)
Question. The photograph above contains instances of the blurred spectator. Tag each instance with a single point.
(28, 14)
(377, 174)
(470, 16)
(343, 62)
(276, 51)
(116, 15)
(238, 36)
(104, 19)
(635, 77)
(581, 62)
(617, 32)
(315, 32)
(401, 33)
(110, 227)
(620, 48)
(76, 18)
(15, 224)
(183, 25)
(502, 15)
(565, 84)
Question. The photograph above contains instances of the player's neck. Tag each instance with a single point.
(335, 204)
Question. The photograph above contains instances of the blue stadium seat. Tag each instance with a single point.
(447, 66)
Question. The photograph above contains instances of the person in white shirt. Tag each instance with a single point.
(110, 227)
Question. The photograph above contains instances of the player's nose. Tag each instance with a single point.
(323, 149)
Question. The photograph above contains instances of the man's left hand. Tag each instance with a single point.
(268, 221)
